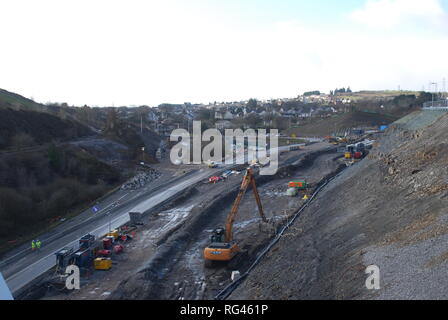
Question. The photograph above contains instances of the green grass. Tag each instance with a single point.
(9, 99)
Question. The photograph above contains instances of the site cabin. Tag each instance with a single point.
(300, 185)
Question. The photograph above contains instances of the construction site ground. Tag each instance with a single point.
(389, 210)
(164, 260)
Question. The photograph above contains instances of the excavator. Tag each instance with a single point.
(222, 247)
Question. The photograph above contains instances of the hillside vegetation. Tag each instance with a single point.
(30, 128)
(37, 188)
(43, 177)
(345, 121)
(16, 101)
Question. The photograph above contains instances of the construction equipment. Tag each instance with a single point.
(295, 186)
(212, 164)
(355, 153)
(87, 241)
(350, 152)
(114, 233)
(299, 185)
(102, 263)
(332, 140)
(222, 246)
(63, 258)
(214, 179)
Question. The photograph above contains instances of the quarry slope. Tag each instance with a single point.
(388, 210)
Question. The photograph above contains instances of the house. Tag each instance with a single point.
(223, 115)
(223, 124)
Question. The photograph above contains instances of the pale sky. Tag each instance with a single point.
(138, 52)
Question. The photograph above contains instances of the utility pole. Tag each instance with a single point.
(141, 123)
(433, 83)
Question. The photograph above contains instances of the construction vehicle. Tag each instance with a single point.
(355, 153)
(212, 164)
(222, 247)
(102, 263)
(214, 179)
(295, 186)
(350, 152)
(332, 140)
(299, 185)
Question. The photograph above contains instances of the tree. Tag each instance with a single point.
(111, 123)
(54, 157)
(22, 140)
(312, 93)
(281, 123)
(204, 114)
(252, 104)
(253, 120)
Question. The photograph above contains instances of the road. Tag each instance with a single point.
(21, 266)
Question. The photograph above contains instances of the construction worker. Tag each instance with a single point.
(38, 244)
(305, 197)
(33, 245)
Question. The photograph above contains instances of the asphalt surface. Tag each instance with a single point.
(21, 266)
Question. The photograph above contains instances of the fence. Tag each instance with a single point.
(436, 105)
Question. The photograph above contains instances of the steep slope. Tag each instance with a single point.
(30, 128)
(388, 210)
(16, 101)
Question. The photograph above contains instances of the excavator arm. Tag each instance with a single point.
(247, 180)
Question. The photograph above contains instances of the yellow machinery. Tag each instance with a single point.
(212, 164)
(222, 246)
(115, 233)
(102, 263)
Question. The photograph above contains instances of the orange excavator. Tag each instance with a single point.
(222, 247)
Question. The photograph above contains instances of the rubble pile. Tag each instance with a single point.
(141, 179)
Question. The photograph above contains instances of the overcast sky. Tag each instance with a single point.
(148, 52)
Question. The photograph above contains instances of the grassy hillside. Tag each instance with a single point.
(42, 178)
(16, 101)
(29, 128)
(327, 126)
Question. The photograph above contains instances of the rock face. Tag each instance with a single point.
(141, 180)
(389, 210)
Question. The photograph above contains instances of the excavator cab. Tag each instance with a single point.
(222, 247)
(219, 250)
(217, 236)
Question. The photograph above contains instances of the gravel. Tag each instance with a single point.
(141, 180)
